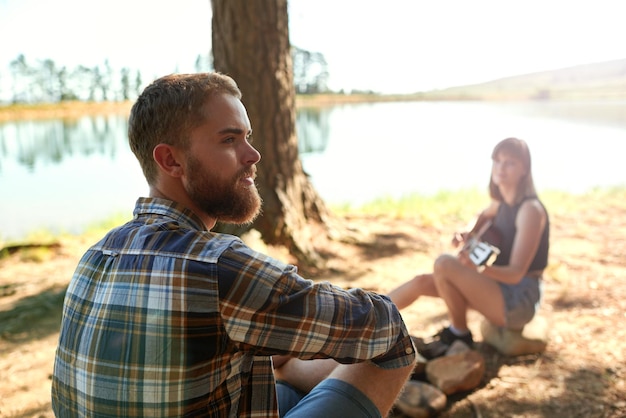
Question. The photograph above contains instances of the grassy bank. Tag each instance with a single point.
(464, 204)
(446, 207)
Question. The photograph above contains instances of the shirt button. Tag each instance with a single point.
(409, 350)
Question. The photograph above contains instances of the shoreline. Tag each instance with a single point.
(77, 109)
(440, 207)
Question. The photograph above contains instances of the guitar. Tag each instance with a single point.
(481, 252)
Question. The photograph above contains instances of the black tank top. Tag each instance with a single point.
(502, 233)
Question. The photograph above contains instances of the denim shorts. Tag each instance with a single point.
(521, 301)
(330, 398)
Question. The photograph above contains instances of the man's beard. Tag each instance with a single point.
(228, 202)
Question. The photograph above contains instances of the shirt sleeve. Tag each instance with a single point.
(268, 308)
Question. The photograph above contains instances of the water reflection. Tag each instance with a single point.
(34, 143)
(313, 128)
(39, 143)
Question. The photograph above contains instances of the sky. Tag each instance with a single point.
(391, 46)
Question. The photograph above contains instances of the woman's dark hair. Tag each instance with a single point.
(518, 149)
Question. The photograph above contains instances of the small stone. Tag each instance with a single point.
(420, 400)
(456, 373)
(457, 347)
(420, 364)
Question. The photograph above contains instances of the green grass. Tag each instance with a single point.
(109, 223)
(45, 236)
(463, 206)
(598, 199)
(442, 207)
(431, 209)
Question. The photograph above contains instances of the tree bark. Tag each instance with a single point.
(251, 44)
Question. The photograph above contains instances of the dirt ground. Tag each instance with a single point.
(582, 373)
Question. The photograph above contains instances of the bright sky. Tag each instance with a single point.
(387, 46)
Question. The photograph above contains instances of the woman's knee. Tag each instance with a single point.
(443, 264)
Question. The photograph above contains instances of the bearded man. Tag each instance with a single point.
(164, 318)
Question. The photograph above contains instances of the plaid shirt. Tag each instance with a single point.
(164, 318)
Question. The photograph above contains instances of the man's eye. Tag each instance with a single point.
(250, 139)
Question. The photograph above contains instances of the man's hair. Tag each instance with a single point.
(169, 109)
(516, 148)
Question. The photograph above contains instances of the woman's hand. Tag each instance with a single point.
(465, 260)
(459, 238)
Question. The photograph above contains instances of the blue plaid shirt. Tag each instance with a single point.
(164, 318)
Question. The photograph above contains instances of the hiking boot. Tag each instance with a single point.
(441, 342)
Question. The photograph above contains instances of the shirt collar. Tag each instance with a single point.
(147, 206)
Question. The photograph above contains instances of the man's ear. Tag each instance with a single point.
(165, 157)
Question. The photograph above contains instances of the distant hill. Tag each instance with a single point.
(603, 80)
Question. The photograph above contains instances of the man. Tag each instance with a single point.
(165, 318)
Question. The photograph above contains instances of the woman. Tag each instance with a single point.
(507, 292)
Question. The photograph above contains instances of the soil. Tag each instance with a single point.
(581, 374)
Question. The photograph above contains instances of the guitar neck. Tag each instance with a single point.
(476, 236)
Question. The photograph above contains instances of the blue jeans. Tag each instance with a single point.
(521, 301)
(330, 398)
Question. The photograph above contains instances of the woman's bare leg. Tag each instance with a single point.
(462, 288)
(409, 291)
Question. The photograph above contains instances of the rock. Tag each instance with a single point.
(457, 372)
(457, 347)
(420, 400)
(420, 364)
(532, 339)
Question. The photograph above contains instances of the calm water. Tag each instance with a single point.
(64, 176)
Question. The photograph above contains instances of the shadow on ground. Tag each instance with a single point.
(372, 247)
(33, 317)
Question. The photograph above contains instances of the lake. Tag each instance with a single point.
(64, 175)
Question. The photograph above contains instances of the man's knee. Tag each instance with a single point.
(334, 397)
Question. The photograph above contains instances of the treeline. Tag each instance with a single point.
(46, 81)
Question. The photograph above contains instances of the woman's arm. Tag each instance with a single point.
(485, 216)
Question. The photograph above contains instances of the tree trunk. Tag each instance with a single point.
(251, 44)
